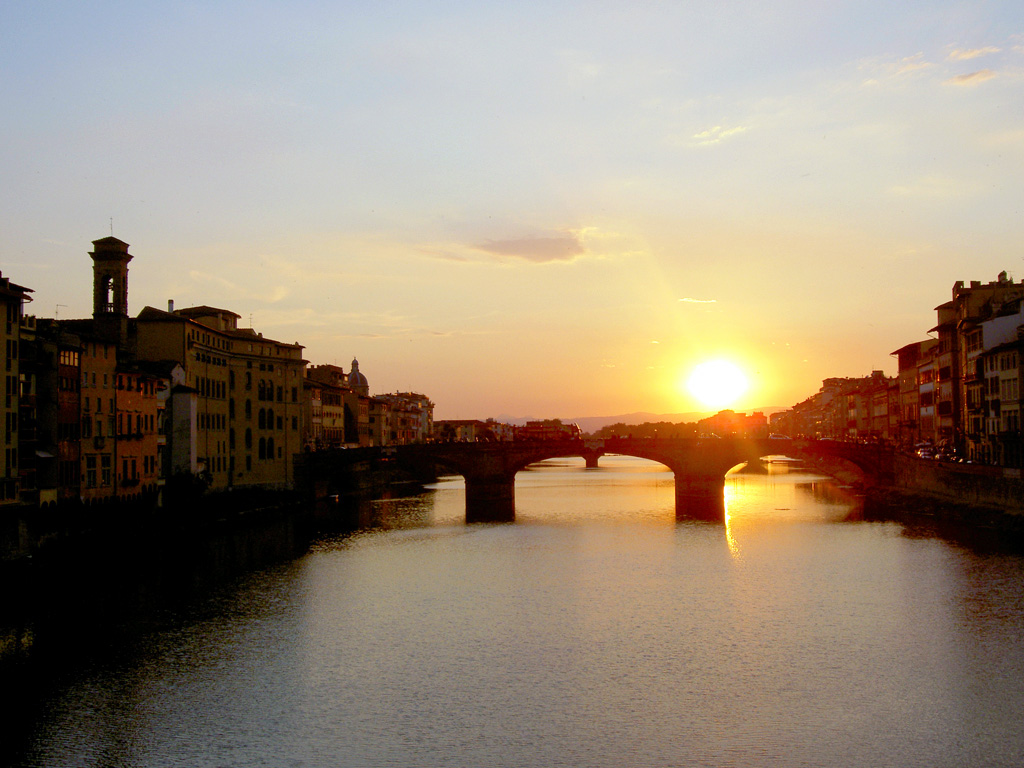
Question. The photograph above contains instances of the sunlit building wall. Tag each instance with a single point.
(247, 392)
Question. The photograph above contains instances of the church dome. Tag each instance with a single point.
(356, 380)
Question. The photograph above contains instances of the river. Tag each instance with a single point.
(594, 631)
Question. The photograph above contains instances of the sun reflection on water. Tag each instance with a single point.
(734, 549)
(764, 496)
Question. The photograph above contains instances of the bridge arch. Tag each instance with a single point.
(489, 469)
(699, 466)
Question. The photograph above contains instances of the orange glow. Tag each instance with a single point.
(717, 383)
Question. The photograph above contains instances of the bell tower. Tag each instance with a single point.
(110, 259)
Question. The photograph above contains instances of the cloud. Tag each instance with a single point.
(319, 318)
(959, 54)
(884, 69)
(581, 66)
(205, 278)
(698, 301)
(717, 134)
(234, 290)
(935, 187)
(540, 250)
(445, 255)
(972, 78)
(910, 64)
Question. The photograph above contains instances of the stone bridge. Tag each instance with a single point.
(699, 465)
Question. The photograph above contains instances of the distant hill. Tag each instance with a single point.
(594, 423)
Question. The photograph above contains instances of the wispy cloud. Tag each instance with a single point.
(717, 134)
(271, 296)
(698, 301)
(561, 247)
(885, 69)
(962, 54)
(206, 278)
(972, 78)
(445, 255)
(310, 317)
(580, 66)
(936, 187)
(914, 63)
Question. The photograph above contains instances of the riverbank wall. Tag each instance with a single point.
(990, 498)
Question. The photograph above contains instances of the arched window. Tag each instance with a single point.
(270, 447)
(263, 448)
(262, 421)
(261, 392)
(248, 409)
(248, 438)
(270, 418)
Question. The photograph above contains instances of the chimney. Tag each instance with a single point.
(170, 305)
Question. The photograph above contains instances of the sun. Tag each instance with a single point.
(717, 383)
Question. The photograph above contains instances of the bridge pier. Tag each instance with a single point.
(490, 499)
(700, 498)
(591, 458)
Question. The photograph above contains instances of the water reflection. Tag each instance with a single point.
(595, 631)
(760, 498)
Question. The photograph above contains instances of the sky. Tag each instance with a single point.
(552, 210)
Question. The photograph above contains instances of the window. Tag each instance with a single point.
(1009, 389)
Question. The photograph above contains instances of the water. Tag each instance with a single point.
(594, 631)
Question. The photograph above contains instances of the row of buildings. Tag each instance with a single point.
(958, 390)
(115, 407)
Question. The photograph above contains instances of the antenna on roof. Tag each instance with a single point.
(111, 226)
(56, 310)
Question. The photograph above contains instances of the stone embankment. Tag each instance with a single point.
(970, 494)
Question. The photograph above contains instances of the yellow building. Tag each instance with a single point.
(99, 415)
(249, 392)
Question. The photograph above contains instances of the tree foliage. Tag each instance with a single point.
(662, 429)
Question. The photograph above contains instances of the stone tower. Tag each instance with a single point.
(110, 259)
